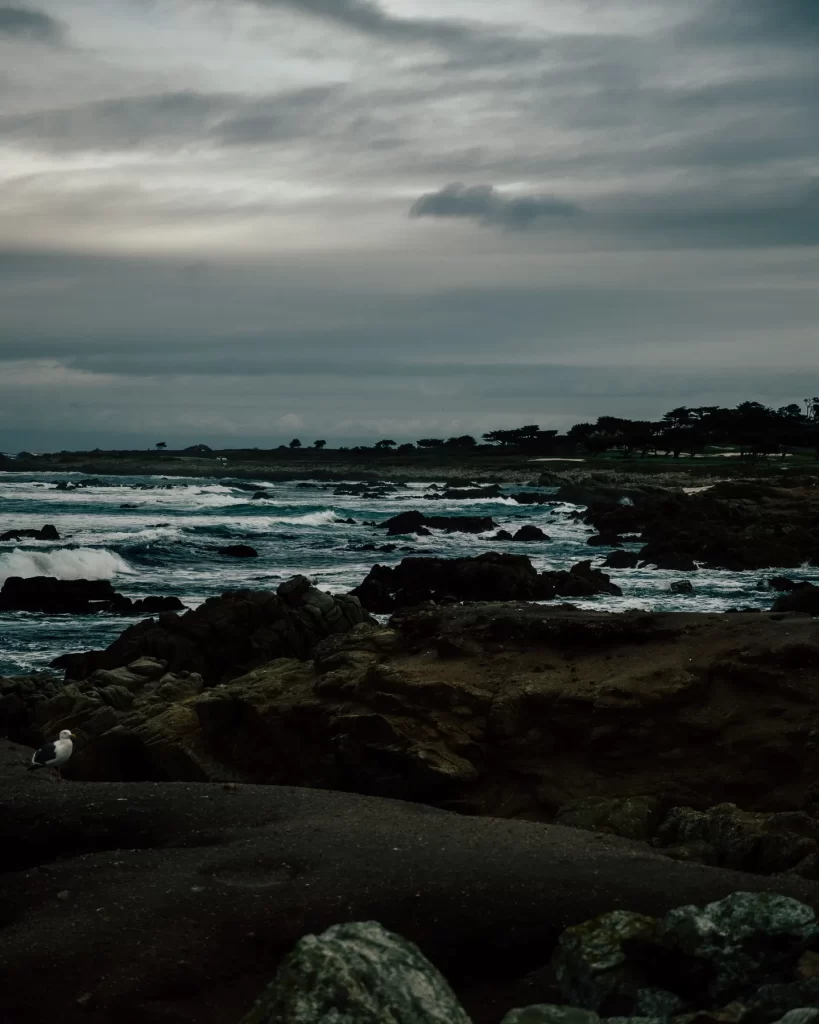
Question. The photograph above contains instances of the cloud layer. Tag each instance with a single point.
(398, 216)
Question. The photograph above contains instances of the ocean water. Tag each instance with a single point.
(167, 544)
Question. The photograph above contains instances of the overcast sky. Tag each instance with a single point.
(236, 221)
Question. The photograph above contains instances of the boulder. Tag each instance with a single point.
(357, 973)
(527, 534)
(682, 587)
(622, 560)
(239, 551)
(228, 635)
(417, 522)
(45, 533)
(532, 498)
(630, 817)
(76, 597)
(804, 598)
(605, 540)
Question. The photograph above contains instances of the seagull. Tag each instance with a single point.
(55, 754)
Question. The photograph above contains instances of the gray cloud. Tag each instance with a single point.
(484, 204)
(793, 22)
(26, 23)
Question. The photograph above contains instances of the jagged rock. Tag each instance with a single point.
(611, 540)
(728, 836)
(238, 551)
(532, 498)
(463, 493)
(76, 597)
(804, 597)
(46, 533)
(357, 974)
(628, 963)
(229, 635)
(543, 1014)
(630, 817)
(416, 522)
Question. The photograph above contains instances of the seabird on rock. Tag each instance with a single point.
(55, 754)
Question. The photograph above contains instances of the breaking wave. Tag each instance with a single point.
(309, 519)
(64, 564)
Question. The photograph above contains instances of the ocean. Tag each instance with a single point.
(165, 542)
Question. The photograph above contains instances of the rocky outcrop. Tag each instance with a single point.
(487, 577)
(466, 493)
(229, 635)
(357, 974)
(527, 534)
(45, 533)
(77, 597)
(184, 899)
(736, 527)
(803, 597)
(622, 560)
(507, 710)
(418, 523)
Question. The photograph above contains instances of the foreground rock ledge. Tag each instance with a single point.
(177, 902)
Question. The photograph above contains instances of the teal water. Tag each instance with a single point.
(167, 545)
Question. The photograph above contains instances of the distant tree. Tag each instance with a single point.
(295, 443)
(464, 441)
(406, 448)
(319, 444)
(161, 444)
(384, 445)
(431, 442)
(529, 436)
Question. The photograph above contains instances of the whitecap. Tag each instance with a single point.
(64, 564)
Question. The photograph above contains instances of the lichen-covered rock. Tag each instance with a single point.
(693, 958)
(357, 974)
(762, 843)
(544, 1014)
(632, 817)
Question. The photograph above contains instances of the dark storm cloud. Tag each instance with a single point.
(732, 22)
(167, 120)
(484, 204)
(26, 23)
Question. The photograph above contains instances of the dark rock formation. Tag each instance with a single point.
(239, 551)
(417, 522)
(47, 532)
(229, 635)
(622, 560)
(382, 977)
(178, 902)
(533, 498)
(803, 598)
(76, 597)
(466, 493)
(530, 533)
(604, 540)
(682, 587)
(488, 577)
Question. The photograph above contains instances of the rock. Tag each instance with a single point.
(682, 587)
(583, 581)
(261, 496)
(804, 598)
(502, 535)
(46, 533)
(272, 864)
(530, 533)
(462, 493)
(629, 963)
(357, 974)
(630, 817)
(238, 551)
(551, 1015)
(532, 498)
(622, 560)
(781, 583)
(762, 843)
(76, 597)
(228, 635)
(672, 561)
(416, 522)
(610, 540)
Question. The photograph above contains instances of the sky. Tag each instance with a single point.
(233, 222)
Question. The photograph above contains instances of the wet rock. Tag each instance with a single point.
(532, 498)
(45, 533)
(682, 587)
(622, 560)
(804, 598)
(52, 596)
(781, 583)
(502, 535)
(357, 974)
(416, 522)
(527, 534)
(466, 493)
(238, 551)
(611, 540)
(543, 1014)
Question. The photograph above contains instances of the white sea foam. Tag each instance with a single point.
(308, 519)
(64, 563)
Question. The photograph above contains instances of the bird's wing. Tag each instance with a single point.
(45, 755)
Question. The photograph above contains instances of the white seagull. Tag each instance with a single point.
(54, 755)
